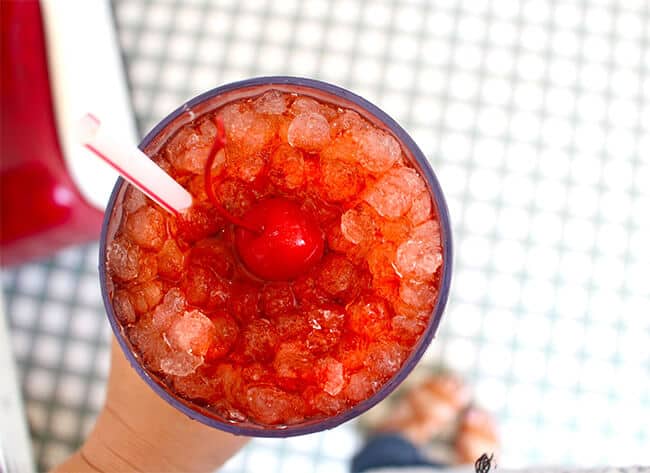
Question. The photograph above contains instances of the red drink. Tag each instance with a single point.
(278, 346)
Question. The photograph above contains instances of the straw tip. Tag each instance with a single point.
(87, 128)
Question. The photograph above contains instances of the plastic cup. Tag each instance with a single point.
(212, 100)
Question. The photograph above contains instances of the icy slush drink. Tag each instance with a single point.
(277, 352)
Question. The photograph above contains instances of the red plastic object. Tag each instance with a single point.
(41, 209)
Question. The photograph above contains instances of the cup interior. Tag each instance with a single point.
(208, 102)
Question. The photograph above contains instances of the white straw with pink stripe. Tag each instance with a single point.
(134, 166)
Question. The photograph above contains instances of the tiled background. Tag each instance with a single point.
(535, 115)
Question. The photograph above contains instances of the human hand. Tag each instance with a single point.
(138, 431)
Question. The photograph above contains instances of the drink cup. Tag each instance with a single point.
(239, 421)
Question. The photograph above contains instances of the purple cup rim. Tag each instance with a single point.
(415, 356)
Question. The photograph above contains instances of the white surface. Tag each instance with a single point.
(86, 73)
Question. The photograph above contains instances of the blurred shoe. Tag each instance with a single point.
(476, 435)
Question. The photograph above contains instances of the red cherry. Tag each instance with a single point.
(289, 243)
(275, 239)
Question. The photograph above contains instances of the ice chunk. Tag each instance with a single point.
(418, 259)
(384, 358)
(259, 340)
(257, 372)
(338, 242)
(244, 302)
(282, 123)
(418, 294)
(149, 342)
(147, 267)
(272, 102)
(420, 209)
(230, 378)
(293, 361)
(197, 385)
(247, 132)
(122, 259)
(326, 317)
(277, 299)
(146, 228)
(395, 230)
(326, 323)
(188, 150)
(226, 332)
(309, 131)
(378, 150)
(342, 149)
(228, 412)
(200, 221)
(134, 199)
(145, 296)
(361, 386)
(352, 352)
(410, 312)
(292, 325)
(270, 405)
(338, 277)
(358, 224)
(123, 308)
(171, 307)
(180, 363)
(427, 232)
(171, 261)
(323, 402)
(196, 186)
(339, 179)
(306, 104)
(393, 194)
(236, 197)
(348, 121)
(381, 260)
(323, 211)
(308, 293)
(193, 333)
(369, 316)
(407, 328)
(287, 167)
(246, 167)
(203, 288)
(214, 254)
(330, 373)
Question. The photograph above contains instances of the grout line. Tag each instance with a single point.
(561, 249)
(29, 364)
(259, 41)
(129, 58)
(532, 209)
(327, 23)
(192, 62)
(443, 340)
(466, 199)
(155, 88)
(98, 344)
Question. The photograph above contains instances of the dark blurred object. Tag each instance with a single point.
(41, 210)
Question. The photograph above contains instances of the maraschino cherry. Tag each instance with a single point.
(275, 239)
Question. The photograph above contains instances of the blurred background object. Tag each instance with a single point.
(534, 115)
(54, 69)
